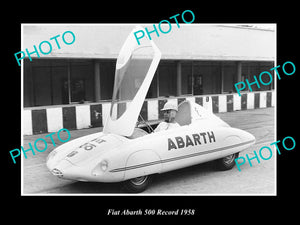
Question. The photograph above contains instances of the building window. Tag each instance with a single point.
(187, 81)
(107, 77)
(251, 69)
(206, 77)
(55, 82)
(229, 72)
(153, 90)
(167, 79)
(77, 91)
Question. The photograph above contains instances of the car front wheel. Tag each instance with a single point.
(137, 185)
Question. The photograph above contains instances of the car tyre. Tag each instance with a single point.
(226, 163)
(137, 185)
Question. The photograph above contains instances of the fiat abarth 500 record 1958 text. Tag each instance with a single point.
(128, 154)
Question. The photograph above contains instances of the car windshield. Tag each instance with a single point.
(129, 76)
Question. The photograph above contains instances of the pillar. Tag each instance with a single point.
(238, 72)
(97, 81)
(179, 79)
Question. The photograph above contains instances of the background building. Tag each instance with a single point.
(72, 86)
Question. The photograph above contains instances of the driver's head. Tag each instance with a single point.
(170, 109)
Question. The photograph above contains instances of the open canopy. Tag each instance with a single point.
(135, 68)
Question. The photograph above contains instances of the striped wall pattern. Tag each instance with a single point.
(52, 119)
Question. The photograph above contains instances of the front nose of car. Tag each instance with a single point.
(60, 170)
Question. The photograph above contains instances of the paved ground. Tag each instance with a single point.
(200, 179)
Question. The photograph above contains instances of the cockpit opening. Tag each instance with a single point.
(138, 132)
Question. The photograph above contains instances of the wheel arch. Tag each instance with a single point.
(141, 163)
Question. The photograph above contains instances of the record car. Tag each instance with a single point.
(125, 153)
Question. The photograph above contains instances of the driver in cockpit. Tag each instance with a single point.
(170, 110)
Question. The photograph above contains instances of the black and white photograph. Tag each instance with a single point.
(171, 108)
(141, 111)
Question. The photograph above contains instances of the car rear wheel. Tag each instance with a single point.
(227, 162)
(137, 185)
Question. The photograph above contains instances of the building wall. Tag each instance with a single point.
(51, 119)
(190, 41)
(198, 61)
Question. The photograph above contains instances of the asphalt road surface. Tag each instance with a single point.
(201, 179)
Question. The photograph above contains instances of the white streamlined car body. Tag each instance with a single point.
(123, 152)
